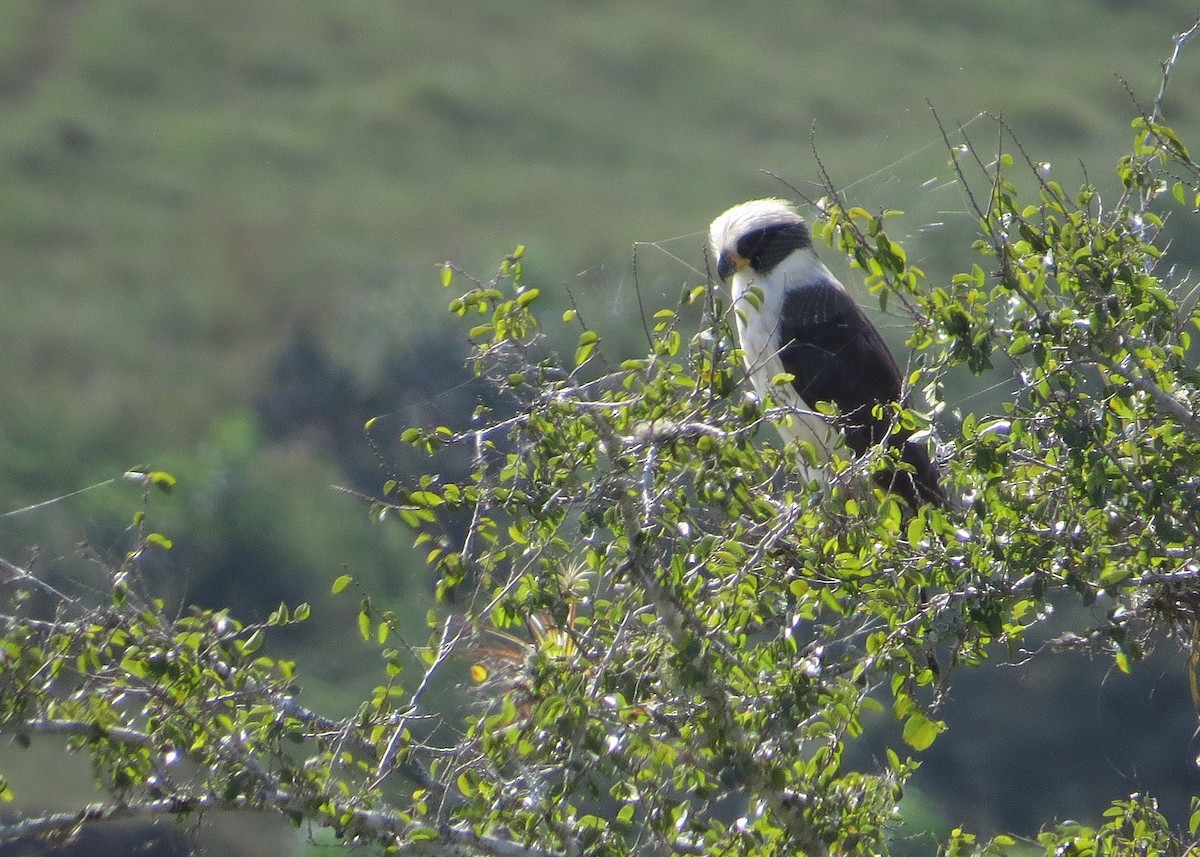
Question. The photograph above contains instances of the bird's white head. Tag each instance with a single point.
(758, 235)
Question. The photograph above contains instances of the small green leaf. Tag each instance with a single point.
(425, 498)
(341, 583)
(421, 834)
(916, 529)
(447, 275)
(364, 619)
(253, 643)
(134, 665)
(162, 480)
(160, 540)
(587, 344)
(1114, 574)
(920, 732)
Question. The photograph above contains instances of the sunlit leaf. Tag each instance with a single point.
(160, 540)
(920, 732)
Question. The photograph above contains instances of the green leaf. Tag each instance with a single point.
(134, 664)
(364, 620)
(160, 540)
(253, 643)
(916, 529)
(341, 583)
(447, 275)
(425, 498)
(162, 480)
(920, 732)
(421, 834)
(1114, 574)
(587, 344)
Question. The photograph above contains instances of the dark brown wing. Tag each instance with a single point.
(837, 355)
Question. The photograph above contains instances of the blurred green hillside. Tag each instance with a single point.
(222, 224)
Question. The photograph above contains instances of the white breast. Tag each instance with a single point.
(758, 335)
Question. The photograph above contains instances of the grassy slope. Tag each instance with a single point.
(186, 185)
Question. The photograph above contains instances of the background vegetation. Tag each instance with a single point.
(222, 224)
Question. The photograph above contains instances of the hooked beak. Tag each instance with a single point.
(728, 264)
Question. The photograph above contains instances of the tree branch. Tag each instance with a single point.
(683, 629)
(441, 841)
(1180, 40)
(1171, 406)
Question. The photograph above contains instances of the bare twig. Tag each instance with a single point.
(1180, 41)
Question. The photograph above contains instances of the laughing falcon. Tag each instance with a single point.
(794, 316)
